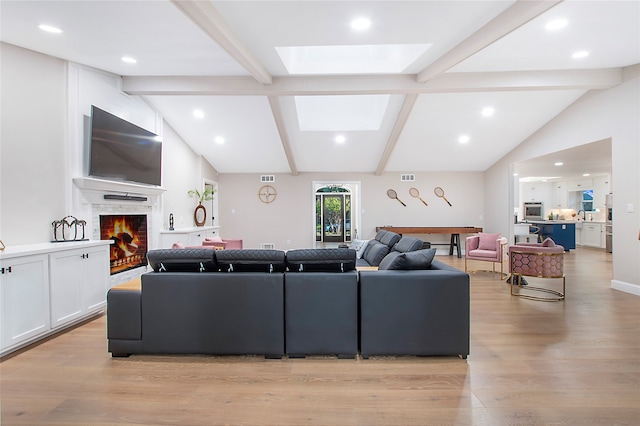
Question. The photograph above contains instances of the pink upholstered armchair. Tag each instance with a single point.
(540, 260)
(486, 248)
(222, 244)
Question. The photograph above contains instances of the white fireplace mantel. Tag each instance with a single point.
(106, 186)
(89, 203)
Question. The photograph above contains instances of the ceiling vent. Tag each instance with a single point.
(267, 178)
(407, 178)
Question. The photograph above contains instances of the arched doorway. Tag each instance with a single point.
(333, 214)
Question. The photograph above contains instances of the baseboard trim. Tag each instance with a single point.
(626, 287)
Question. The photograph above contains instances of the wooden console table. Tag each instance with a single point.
(455, 232)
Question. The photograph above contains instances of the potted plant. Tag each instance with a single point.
(200, 213)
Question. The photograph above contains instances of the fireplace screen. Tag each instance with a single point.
(129, 235)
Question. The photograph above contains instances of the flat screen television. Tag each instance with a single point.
(122, 151)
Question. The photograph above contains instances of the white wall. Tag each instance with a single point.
(288, 221)
(598, 115)
(32, 145)
(45, 104)
(182, 170)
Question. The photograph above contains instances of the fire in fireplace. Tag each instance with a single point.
(129, 235)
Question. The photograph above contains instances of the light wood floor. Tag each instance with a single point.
(531, 363)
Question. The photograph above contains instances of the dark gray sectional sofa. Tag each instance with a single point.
(298, 303)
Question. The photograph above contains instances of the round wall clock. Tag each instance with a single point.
(267, 193)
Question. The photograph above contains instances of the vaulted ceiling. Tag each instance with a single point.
(275, 83)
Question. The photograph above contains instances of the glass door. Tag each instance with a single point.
(333, 218)
(333, 215)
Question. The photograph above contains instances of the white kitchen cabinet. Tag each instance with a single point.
(534, 191)
(79, 280)
(579, 184)
(188, 236)
(559, 197)
(601, 188)
(24, 298)
(592, 235)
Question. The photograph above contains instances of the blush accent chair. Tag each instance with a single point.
(486, 248)
(540, 260)
(222, 244)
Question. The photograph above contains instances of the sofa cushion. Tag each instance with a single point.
(251, 260)
(418, 259)
(488, 241)
(375, 252)
(321, 260)
(389, 238)
(406, 244)
(182, 260)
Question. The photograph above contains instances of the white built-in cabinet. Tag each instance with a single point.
(188, 236)
(45, 287)
(24, 298)
(79, 283)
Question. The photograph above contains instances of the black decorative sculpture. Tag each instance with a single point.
(69, 228)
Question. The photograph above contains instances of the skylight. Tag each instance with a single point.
(341, 112)
(353, 59)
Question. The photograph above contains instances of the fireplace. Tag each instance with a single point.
(129, 235)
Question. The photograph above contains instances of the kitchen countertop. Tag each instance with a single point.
(551, 222)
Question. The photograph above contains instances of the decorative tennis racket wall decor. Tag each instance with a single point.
(440, 193)
(416, 194)
(393, 194)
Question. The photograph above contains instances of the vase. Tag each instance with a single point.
(200, 215)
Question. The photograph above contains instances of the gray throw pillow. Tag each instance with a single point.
(419, 259)
(375, 254)
(389, 259)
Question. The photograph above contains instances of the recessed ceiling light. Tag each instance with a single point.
(556, 24)
(198, 113)
(515, 174)
(129, 60)
(559, 163)
(340, 139)
(219, 140)
(50, 29)
(580, 54)
(586, 174)
(463, 139)
(488, 111)
(360, 24)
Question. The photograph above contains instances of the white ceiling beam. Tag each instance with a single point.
(363, 85)
(521, 12)
(278, 117)
(207, 17)
(403, 116)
